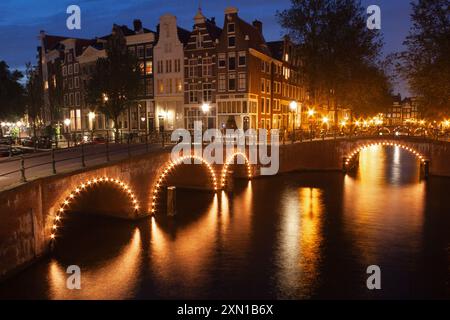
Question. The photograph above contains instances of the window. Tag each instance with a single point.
(242, 81)
(263, 109)
(222, 82)
(160, 86)
(64, 71)
(207, 67)
(66, 102)
(222, 63)
(148, 67)
(193, 93)
(77, 82)
(76, 69)
(149, 87)
(142, 67)
(140, 51)
(231, 28)
(231, 42)
(231, 82)
(177, 65)
(263, 85)
(168, 85)
(70, 70)
(267, 86)
(207, 92)
(65, 84)
(179, 85)
(168, 66)
(160, 67)
(70, 83)
(69, 57)
(77, 99)
(148, 51)
(71, 99)
(242, 59)
(267, 105)
(263, 66)
(231, 62)
(132, 51)
(192, 68)
(199, 41)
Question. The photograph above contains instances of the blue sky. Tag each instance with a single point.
(21, 20)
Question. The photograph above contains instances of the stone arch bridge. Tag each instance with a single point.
(31, 213)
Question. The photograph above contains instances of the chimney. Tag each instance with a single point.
(258, 25)
(137, 26)
(231, 10)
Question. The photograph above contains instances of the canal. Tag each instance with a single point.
(293, 236)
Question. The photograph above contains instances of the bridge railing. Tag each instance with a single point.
(16, 169)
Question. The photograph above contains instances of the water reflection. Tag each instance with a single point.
(115, 278)
(300, 242)
(293, 236)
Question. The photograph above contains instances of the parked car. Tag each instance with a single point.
(6, 152)
(28, 142)
(6, 140)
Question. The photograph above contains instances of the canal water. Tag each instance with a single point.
(292, 236)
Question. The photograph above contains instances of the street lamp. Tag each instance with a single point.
(205, 109)
(293, 107)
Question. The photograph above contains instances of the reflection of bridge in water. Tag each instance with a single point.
(33, 212)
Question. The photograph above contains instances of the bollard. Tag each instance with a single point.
(53, 161)
(22, 169)
(171, 201)
(129, 147)
(107, 146)
(426, 169)
(83, 163)
(229, 186)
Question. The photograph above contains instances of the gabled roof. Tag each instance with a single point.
(276, 48)
(213, 30)
(256, 40)
(183, 35)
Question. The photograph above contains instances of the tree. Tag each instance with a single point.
(34, 96)
(115, 83)
(426, 61)
(341, 57)
(11, 93)
(56, 94)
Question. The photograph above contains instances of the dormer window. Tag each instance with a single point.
(231, 28)
(231, 42)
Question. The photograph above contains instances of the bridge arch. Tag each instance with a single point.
(171, 165)
(351, 156)
(224, 175)
(84, 187)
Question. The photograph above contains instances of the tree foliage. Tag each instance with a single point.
(34, 96)
(115, 83)
(11, 92)
(340, 54)
(426, 61)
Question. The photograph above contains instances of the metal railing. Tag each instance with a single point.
(49, 161)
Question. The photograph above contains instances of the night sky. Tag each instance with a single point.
(21, 20)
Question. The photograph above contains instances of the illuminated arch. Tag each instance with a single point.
(229, 162)
(170, 166)
(351, 156)
(85, 186)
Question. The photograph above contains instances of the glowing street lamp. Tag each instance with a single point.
(91, 115)
(67, 122)
(105, 97)
(311, 112)
(325, 120)
(205, 107)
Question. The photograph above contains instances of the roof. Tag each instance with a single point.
(213, 30)
(256, 40)
(276, 49)
(183, 35)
